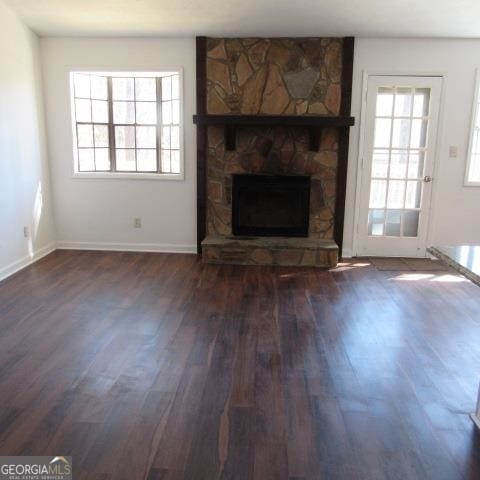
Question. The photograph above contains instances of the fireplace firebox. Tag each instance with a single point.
(270, 205)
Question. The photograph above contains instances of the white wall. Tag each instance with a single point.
(24, 179)
(456, 208)
(98, 213)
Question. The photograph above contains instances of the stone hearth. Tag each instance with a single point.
(285, 251)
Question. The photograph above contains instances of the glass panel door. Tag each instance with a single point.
(400, 122)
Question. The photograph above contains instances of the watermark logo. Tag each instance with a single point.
(36, 468)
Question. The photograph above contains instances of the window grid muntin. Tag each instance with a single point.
(111, 124)
(406, 180)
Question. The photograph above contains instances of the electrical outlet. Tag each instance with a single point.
(26, 232)
(137, 223)
(453, 151)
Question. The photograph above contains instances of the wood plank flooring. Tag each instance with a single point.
(156, 366)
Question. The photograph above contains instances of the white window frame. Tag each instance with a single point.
(113, 71)
(475, 109)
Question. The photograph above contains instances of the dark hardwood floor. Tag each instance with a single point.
(157, 366)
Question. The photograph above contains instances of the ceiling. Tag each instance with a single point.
(392, 18)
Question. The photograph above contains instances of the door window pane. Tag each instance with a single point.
(403, 102)
(410, 223)
(382, 133)
(421, 102)
(398, 164)
(396, 192)
(380, 163)
(384, 102)
(378, 192)
(393, 222)
(412, 197)
(401, 133)
(419, 133)
(415, 164)
(83, 110)
(376, 221)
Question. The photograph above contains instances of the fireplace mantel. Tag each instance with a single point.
(314, 123)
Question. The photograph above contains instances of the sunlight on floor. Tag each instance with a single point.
(429, 276)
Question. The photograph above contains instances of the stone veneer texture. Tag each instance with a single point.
(278, 76)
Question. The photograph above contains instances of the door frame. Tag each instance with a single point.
(360, 174)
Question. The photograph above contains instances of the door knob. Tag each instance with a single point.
(427, 179)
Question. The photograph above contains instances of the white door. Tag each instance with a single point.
(397, 166)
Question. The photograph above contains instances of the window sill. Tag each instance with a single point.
(127, 176)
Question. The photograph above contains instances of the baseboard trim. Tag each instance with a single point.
(127, 247)
(27, 260)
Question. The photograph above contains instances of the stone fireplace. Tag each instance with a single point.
(277, 78)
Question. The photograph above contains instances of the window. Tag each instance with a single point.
(473, 156)
(127, 122)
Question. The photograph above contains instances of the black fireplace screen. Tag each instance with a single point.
(270, 205)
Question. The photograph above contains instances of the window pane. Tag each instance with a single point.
(81, 84)
(176, 112)
(376, 219)
(392, 225)
(401, 133)
(86, 160)
(167, 88)
(382, 133)
(398, 164)
(166, 113)
(396, 190)
(166, 161)
(102, 159)
(474, 173)
(419, 134)
(125, 137)
(147, 160)
(421, 102)
(175, 138)
(403, 102)
(146, 112)
(166, 137)
(85, 135)
(380, 163)
(83, 111)
(99, 87)
(175, 161)
(125, 160)
(101, 135)
(123, 112)
(415, 164)
(378, 192)
(146, 137)
(123, 89)
(99, 111)
(145, 89)
(410, 223)
(176, 87)
(412, 196)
